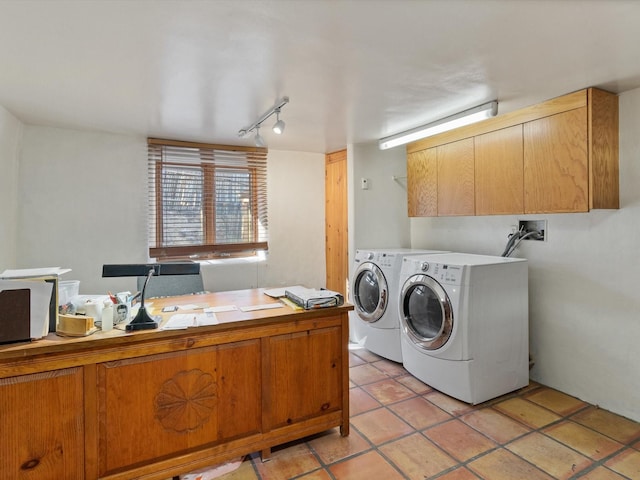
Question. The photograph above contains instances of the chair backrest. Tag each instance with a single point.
(171, 285)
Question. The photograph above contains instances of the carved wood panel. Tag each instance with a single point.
(159, 405)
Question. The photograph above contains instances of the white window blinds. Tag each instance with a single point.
(206, 201)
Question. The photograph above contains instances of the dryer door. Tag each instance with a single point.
(426, 312)
(370, 292)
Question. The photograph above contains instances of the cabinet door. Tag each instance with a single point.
(41, 425)
(160, 405)
(422, 183)
(499, 172)
(305, 376)
(456, 193)
(556, 163)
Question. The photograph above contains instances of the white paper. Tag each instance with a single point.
(265, 306)
(221, 308)
(39, 303)
(278, 292)
(208, 318)
(189, 307)
(34, 272)
(181, 321)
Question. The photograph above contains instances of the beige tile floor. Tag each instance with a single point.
(403, 429)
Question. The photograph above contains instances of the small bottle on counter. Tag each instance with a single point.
(107, 316)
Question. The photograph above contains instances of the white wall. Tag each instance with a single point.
(296, 220)
(82, 203)
(379, 214)
(10, 137)
(584, 304)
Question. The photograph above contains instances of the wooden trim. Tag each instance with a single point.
(162, 252)
(603, 121)
(212, 146)
(267, 415)
(337, 156)
(336, 222)
(534, 112)
(344, 428)
(91, 427)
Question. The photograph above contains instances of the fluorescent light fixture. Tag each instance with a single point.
(467, 117)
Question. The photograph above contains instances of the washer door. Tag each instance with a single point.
(370, 292)
(426, 313)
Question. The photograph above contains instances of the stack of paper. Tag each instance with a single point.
(309, 298)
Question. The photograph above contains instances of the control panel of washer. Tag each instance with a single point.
(386, 260)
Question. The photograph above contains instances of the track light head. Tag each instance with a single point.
(259, 140)
(278, 127)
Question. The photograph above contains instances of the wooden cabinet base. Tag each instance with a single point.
(152, 405)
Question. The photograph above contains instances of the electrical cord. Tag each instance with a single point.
(516, 238)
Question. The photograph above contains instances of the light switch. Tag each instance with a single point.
(364, 183)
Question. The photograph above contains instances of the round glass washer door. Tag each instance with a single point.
(426, 313)
(370, 292)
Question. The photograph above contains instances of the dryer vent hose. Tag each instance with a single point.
(516, 238)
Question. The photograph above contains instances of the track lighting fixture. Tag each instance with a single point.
(277, 128)
(449, 123)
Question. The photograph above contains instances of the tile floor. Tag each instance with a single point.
(403, 429)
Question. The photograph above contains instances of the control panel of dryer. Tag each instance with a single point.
(442, 272)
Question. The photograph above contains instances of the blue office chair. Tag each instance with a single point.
(171, 285)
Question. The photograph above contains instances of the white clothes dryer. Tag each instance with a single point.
(374, 294)
(465, 323)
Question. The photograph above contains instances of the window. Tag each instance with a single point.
(206, 201)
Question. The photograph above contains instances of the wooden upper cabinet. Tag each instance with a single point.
(422, 183)
(456, 191)
(556, 170)
(554, 157)
(499, 172)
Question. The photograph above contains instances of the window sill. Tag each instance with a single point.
(260, 257)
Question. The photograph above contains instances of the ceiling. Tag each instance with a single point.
(354, 70)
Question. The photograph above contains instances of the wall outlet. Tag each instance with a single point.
(539, 226)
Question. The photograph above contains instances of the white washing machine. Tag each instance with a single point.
(465, 323)
(374, 294)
